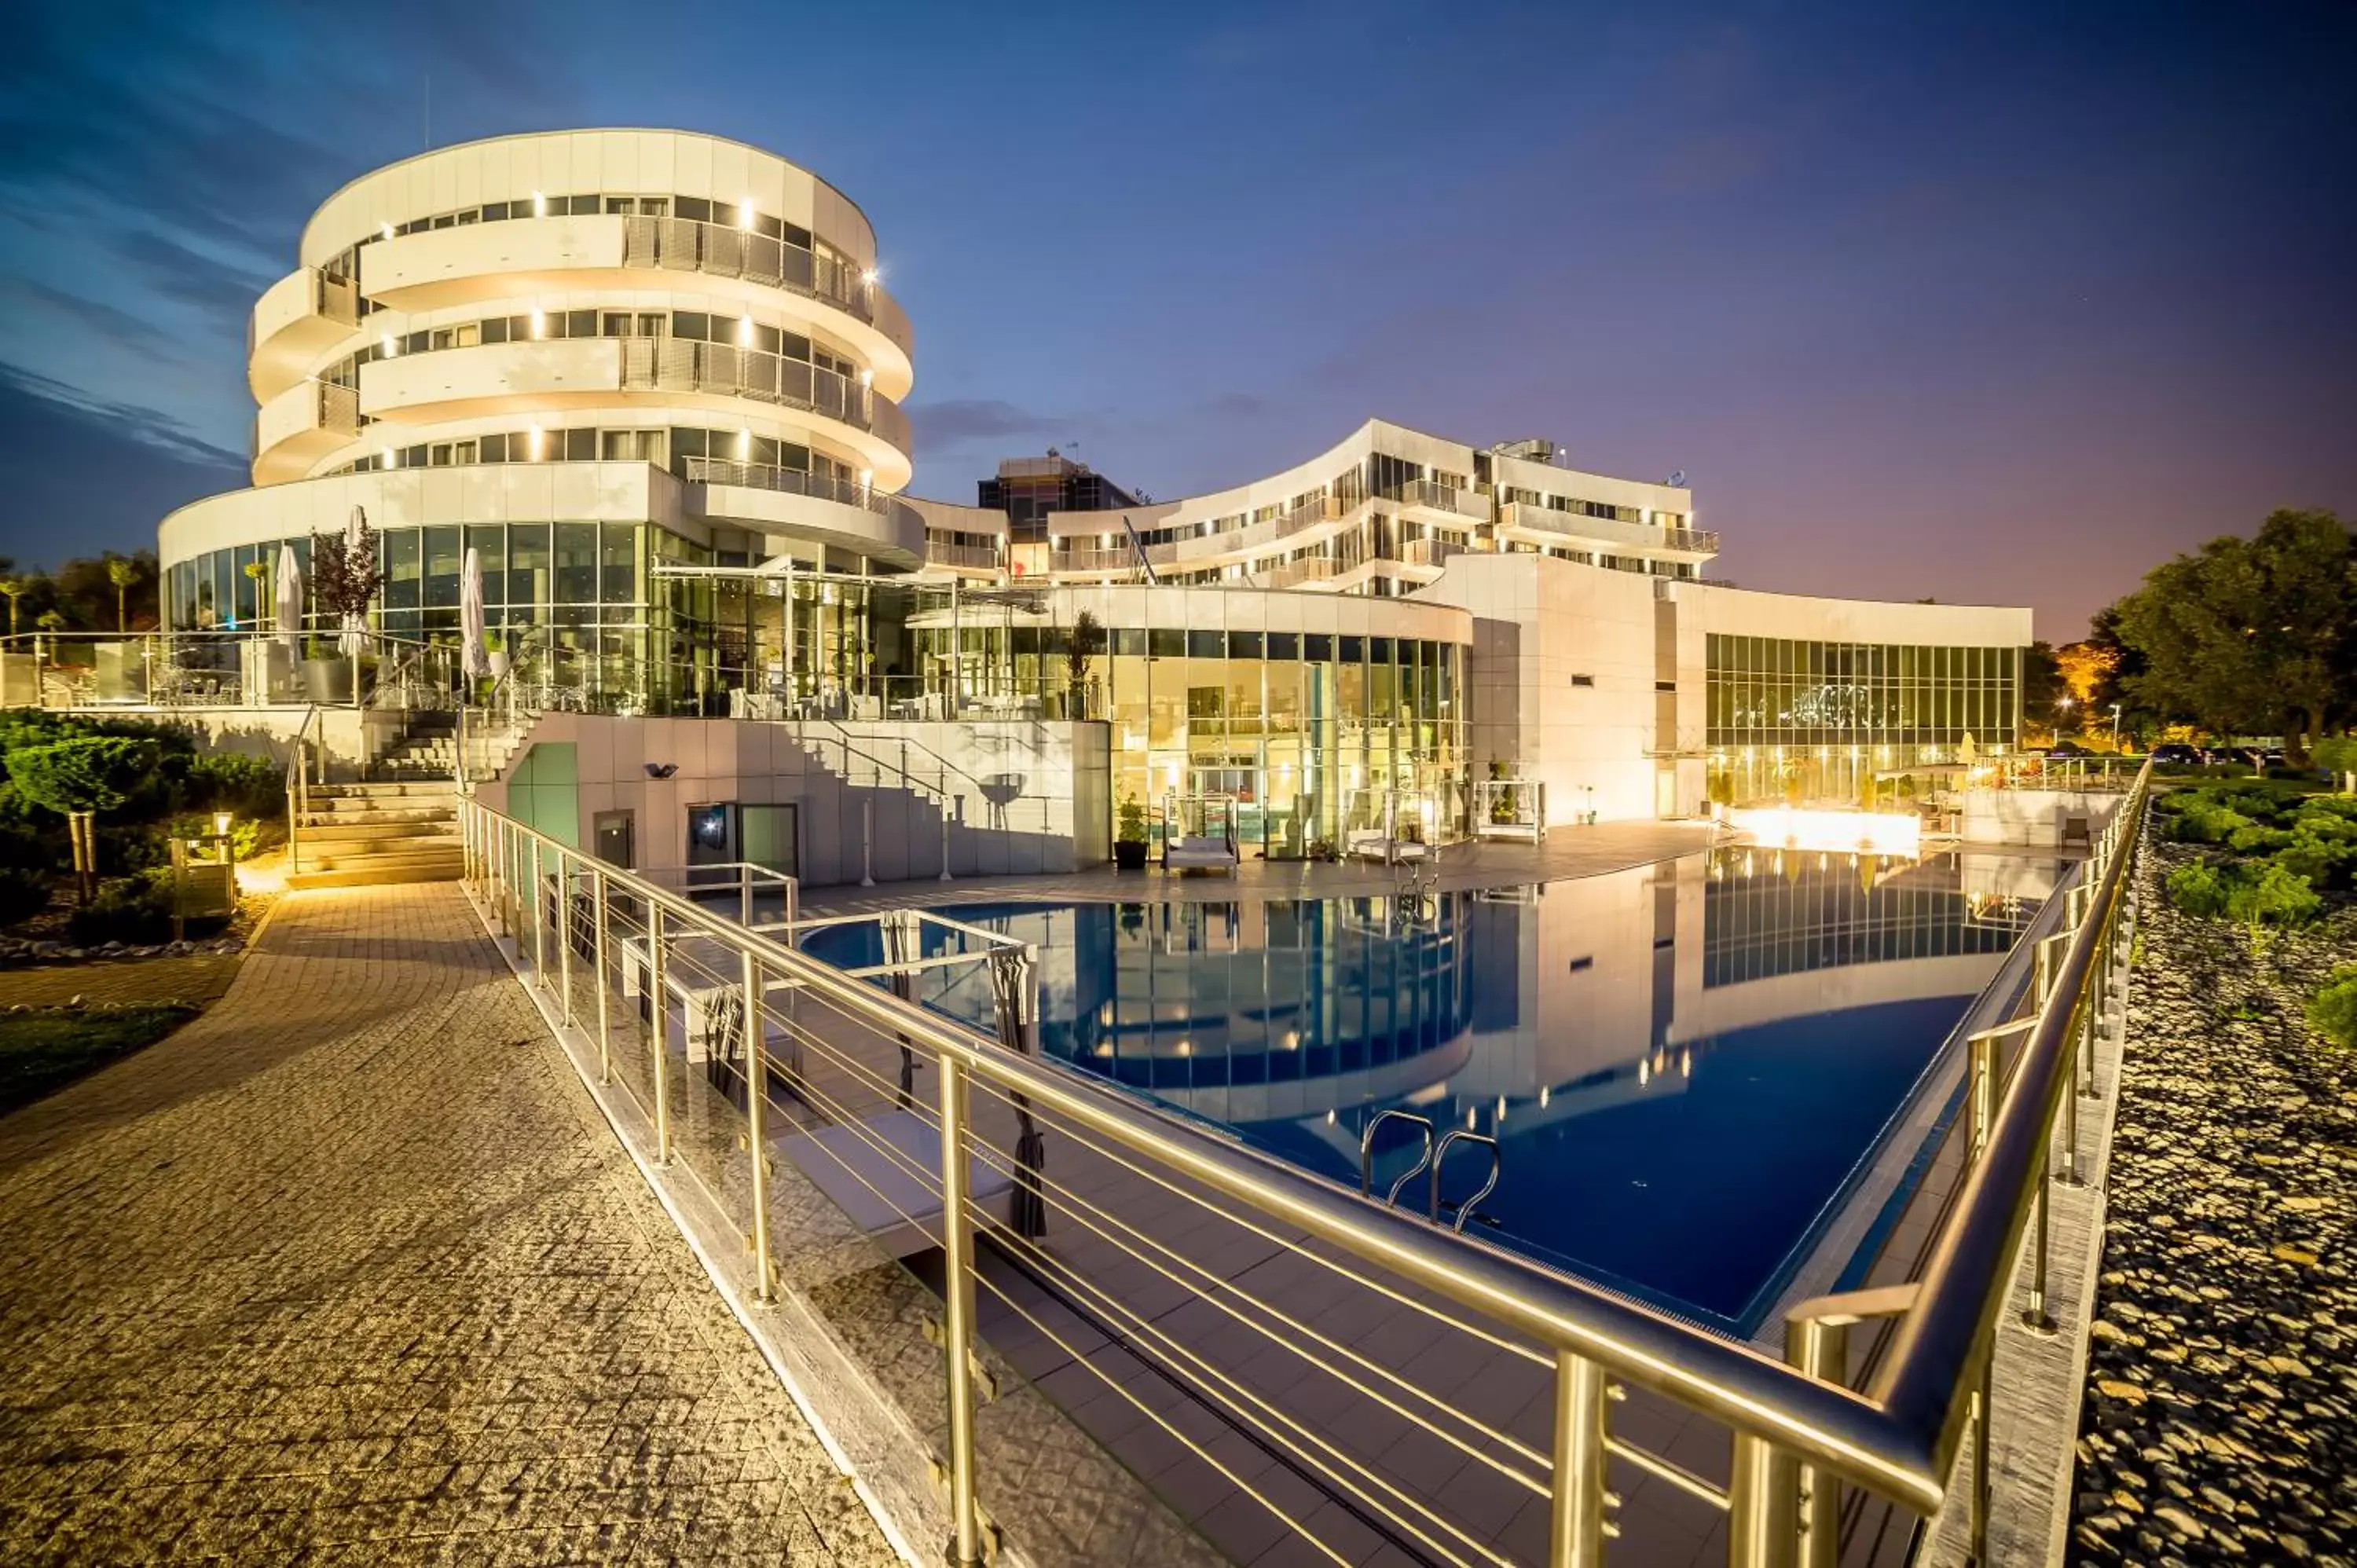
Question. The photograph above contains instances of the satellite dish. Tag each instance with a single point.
(1678, 479)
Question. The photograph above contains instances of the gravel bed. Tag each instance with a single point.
(2221, 1415)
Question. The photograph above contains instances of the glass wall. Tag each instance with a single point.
(1804, 720)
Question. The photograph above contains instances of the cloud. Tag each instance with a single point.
(220, 288)
(956, 423)
(118, 326)
(53, 440)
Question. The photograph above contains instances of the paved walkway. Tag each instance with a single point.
(349, 1269)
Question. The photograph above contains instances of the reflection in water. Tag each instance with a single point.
(1682, 1062)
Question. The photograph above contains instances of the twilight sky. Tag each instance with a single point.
(1998, 303)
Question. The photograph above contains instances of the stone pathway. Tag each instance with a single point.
(349, 1269)
(2221, 1420)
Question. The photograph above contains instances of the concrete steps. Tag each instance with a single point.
(381, 833)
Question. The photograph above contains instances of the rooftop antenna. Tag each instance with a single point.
(428, 118)
(1678, 481)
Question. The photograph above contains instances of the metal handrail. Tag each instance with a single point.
(788, 481)
(298, 787)
(1900, 1439)
(1367, 1153)
(1440, 1157)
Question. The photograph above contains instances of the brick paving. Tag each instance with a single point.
(349, 1269)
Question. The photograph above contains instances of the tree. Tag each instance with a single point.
(1088, 641)
(16, 587)
(2250, 635)
(2041, 683)
(78, 778)
(344, 583)
(121, 573)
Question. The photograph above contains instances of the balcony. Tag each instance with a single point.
(1202, 550)
(1435, 552)
(961, 557)
(297, 319)
(524, 257)
(1459, 507)
(675, 364)
(815, 508)
(1123, 559)
(300, 426)
(1294, 574)
(1606, 535)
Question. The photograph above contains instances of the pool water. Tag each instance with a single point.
(1682, 1064)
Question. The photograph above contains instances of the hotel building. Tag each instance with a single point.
(653, 379)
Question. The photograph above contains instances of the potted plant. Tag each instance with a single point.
(1129, 843)
(345, 577)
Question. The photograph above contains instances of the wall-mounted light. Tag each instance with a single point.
(386, 456)
(871, 277)
(538, 323)
(745, 445)
(744, 213)
(386, 229)
(387, 347)
(539, 205)
(745, 332)
(537, 435)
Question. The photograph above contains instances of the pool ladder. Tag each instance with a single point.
(1435, 1157)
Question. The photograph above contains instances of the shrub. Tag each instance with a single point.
(2206, 821)
(95, 773)
(2198, 889)
(2320, 862)
(2258, 839)
(24, 893)
(2332, 1011)
(234, 782)
(135, 911)
(2272, 896)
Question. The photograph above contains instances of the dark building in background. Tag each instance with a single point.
(1027, 488)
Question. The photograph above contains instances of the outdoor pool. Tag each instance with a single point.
(1682, 1064)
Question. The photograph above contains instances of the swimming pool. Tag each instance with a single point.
(1681, 1064)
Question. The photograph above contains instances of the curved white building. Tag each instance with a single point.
(588, 355)
(651, 378)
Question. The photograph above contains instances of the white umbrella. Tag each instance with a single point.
(354, 639)
(290, 597)
(476, 657)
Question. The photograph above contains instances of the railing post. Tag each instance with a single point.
(564, 934)
(1762, 1518)
(597, 957)
(756, 1121)
(659, 1028)
(1820, 1347)
(1984, 1090)
(744, 894)
(539, 923)
(867, 842)
(1978, 1501)
(957, 1316)
(1575, 1524)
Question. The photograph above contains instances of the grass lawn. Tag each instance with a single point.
(45, 1050)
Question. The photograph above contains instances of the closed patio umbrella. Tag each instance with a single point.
(354, 639)
(290, 597)
(475, 656)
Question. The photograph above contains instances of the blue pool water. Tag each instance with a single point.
(1682, 1064)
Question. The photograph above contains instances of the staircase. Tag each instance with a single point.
(401, 826)
(365, 835)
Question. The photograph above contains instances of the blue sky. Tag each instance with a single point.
(1999, 302)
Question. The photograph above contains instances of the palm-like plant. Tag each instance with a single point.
(121, 572)
(16, 587)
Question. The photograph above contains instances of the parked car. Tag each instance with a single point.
(2069, 748)
(2177, 754)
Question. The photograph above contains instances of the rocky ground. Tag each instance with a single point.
(2221, 1414)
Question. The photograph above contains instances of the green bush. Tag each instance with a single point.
(95, 773)
(2208, 822)
(2198, 889)
(2258, 839)
(2319, 863)
(2271, 895)
(135, 911)
(234, 782)
(24, 893)
(2332, 1011)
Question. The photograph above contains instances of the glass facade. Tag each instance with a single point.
(1800, 719)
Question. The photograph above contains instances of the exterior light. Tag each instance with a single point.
(745, 332)
(1644, 1071)
(536, 434)
(386, 229)
(1186, 1047)
(387, 455)
(871, 277)
(1329, 1118)
(387, 347)
(867, 378)
(1545, 1093)
(538, 323)
(744, 213)
(745, 445)
(220, 823)
(867, 477)
(539, 205)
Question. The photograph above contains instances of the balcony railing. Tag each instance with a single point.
(679, 364)
(687, 245)
(788, 481)
(335, 410)
(1433, 552)
(1623, 537)
(1293, 574)
(969, 557)
(1367, 1351)
(1441, 497)
(1122, 559)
